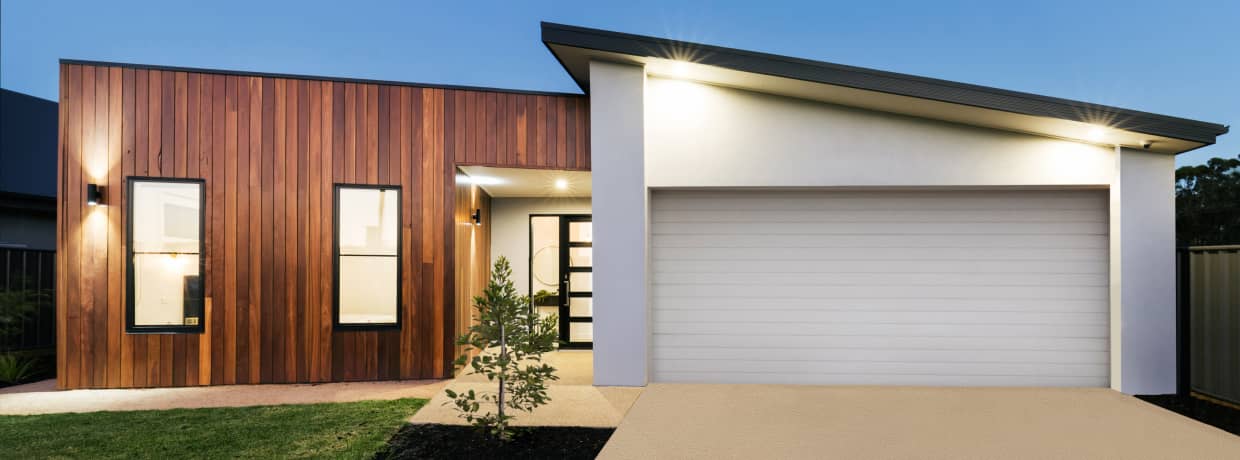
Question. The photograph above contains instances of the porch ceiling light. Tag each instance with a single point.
(561, 184)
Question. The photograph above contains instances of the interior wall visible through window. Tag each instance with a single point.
(165, 255)
(367, 256)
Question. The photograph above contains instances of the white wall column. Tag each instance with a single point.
(1143, 273)
(620, 199)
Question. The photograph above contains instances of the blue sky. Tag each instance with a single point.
(1177, 58)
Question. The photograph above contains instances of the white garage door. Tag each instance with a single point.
(885, 288)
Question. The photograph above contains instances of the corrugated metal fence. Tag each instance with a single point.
(27, 282)
(1210, 288)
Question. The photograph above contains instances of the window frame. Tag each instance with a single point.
(130, 301)
(400, 258)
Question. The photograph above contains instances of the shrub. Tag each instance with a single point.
(509, 339)
(16, 306)
(15, 369)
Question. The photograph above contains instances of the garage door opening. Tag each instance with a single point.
(984, 288)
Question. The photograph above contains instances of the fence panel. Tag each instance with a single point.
(1213, 286)
(29, 277)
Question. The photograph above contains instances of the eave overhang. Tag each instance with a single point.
(878, 90)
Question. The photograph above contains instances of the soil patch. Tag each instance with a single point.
(432, 441)
(1216, 415)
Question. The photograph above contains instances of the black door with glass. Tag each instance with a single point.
(562, 274)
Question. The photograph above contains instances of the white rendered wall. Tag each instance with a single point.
(620, 200)
(510, 229)
(707, 136)
(1144, 197)
(703, 136)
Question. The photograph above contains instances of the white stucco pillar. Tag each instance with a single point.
(1143, 273)
(620, 202)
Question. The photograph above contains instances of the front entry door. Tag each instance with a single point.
(562, 274)
(577, 281)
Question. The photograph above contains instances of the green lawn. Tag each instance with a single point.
(340, 430)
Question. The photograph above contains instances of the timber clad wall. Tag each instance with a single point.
(473, 253)
(270, 149)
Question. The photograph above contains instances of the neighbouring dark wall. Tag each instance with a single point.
(27, 171)
(269, 149)
(27, 144)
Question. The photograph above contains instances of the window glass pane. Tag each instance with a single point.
(367, 289)
(167, 290)
(580, 257)
(166, 216)
(580, 332)
(368, 221)
(581, 307)
(165, 239)
(580, 232)
(580, 282)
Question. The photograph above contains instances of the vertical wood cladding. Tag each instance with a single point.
(270, 149)
(473, 253)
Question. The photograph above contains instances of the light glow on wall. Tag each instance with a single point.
(478, 180)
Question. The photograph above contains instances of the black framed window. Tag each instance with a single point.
(164, 255)
(367, 257)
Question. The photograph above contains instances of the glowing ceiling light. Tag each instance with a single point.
(561, 184)
(1096, 133)
(680, 68)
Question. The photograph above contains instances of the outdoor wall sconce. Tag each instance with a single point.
(476, 217)
(94, 195)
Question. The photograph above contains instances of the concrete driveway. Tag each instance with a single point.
(787, 421)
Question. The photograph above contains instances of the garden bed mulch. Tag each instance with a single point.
(1217, 415)
(432, 441)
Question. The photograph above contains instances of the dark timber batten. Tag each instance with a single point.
(270, 148)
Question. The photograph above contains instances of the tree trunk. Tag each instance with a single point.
(503, 354)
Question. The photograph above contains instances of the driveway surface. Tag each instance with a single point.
(794, 421)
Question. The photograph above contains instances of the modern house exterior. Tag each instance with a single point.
(699, 214)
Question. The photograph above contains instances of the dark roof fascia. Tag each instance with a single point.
(245, 73)
(877, 80)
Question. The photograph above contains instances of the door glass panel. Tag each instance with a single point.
(545, 254)
(580, 282)
(580, 257)
(581, 307)
(581, 332)
(580, 232)
(544, 312)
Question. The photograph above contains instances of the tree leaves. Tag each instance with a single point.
(509, 339)
(1207, 202)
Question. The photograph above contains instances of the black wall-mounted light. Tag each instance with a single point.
(476, 217)
(94, 195)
